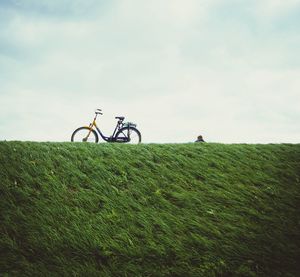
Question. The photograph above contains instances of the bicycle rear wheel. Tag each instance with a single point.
(84, 134)
(129, 135)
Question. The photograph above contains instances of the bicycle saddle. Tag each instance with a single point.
(120, 117)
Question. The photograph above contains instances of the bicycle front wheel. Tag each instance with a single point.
(84, 134)
(129, 135)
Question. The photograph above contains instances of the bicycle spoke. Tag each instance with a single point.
(84, 135)
(130, 136)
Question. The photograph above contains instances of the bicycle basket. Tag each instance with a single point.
(129, 124)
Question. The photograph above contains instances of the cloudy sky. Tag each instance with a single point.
(226, 69)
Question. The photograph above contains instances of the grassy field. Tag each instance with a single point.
(69, 209)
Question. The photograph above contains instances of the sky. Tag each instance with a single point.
(225, 69)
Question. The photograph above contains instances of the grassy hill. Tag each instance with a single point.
(69, 209)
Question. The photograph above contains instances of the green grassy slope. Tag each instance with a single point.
(149, 210)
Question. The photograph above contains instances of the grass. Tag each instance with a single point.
(72, 209)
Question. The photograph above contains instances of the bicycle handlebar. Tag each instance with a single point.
(98, 111)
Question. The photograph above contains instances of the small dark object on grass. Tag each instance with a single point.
(200, 139)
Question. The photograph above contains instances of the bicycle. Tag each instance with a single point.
(123, 133)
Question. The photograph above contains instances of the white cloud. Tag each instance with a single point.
(175, 69)
(270, 9)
